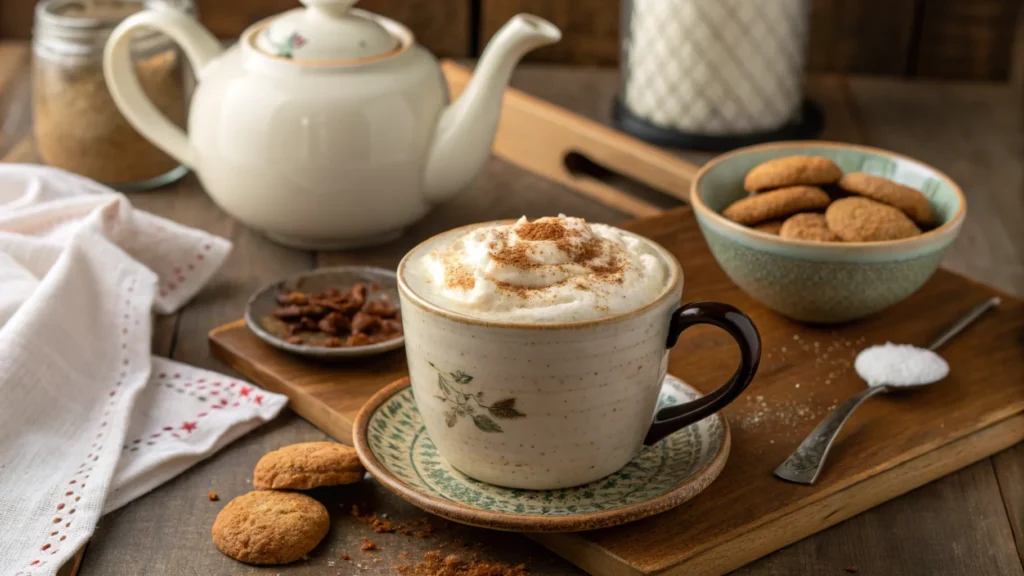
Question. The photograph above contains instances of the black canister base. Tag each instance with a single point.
(807, 125)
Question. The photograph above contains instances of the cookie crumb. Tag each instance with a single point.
(367, 544)
(379, 524)
(427, 530)
(382, 526)
(345, 556)
(213, 496)
(852, 569)
(436, 564)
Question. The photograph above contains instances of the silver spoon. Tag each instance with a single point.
(805, 464)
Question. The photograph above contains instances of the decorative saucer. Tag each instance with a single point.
(394, 446)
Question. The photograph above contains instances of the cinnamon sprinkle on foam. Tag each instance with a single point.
(541, 230)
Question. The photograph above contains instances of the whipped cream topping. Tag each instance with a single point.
(549, 270)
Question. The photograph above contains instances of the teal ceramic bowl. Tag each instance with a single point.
(824, 282)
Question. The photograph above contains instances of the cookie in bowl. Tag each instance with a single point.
(807, 226)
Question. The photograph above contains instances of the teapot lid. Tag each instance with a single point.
(326, 31)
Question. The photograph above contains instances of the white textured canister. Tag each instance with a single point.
(714, 67)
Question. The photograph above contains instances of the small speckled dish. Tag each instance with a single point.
(393, 444)
(343, 278)
(824, 282)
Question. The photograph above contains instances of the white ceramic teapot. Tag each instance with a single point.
(324, 126)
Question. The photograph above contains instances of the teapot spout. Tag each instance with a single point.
(466, 128)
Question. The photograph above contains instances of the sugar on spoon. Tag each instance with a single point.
(883, 368)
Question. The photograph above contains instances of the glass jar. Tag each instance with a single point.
(76, 124)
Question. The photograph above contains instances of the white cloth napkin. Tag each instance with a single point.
(89, 420)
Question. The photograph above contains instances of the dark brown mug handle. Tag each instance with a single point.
(742, 329)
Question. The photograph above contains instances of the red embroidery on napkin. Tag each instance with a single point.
(77, 481)
(179, 276)
(187, 387)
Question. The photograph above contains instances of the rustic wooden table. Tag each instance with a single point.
(971, 522)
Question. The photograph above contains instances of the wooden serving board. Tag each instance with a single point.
(327, 393)
(890, 446)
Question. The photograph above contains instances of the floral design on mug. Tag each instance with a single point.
(293, 42)
(472, 404)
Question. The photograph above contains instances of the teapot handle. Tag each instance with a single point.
(199, 46)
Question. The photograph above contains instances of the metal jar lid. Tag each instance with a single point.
(81, 27)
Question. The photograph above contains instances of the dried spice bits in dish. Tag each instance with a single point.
(786, 200)
(334, 319)
(330, 313)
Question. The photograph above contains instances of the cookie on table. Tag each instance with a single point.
(769, 227)
(308, 465)
(776, 204)
(807, 226)
(269, 527)
(792, 171)
(858, 219)
(912, 202)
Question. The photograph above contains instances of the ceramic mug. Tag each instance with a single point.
(551, 405)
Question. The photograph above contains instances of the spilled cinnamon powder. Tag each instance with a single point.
(435, 564)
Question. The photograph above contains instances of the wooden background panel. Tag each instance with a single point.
(852, 37)
(590, 28)
(967, 39)
(16, 18)
(866, 36)
(963, 39)
(1017, 64)
(443, 26)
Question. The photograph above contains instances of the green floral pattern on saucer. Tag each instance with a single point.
(398, 439)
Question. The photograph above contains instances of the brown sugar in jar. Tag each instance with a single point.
(76, 124)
